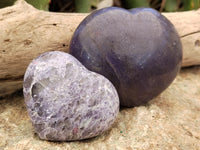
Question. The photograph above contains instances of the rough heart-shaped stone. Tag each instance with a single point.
(139, 51)
(66, 101)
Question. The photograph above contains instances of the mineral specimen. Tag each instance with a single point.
(66, 101)
(139, 51)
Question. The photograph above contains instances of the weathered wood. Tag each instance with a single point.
(188, 27)
(26, 32)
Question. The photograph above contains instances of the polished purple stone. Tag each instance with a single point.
(139, 51)
(66, 101)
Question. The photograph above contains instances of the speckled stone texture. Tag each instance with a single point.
(170, 121)
(67, 102)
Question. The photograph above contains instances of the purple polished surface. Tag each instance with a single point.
(138, 51)
(66, 101)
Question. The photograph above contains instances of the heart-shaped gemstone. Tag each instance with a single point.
(66, 101)
(139, 51)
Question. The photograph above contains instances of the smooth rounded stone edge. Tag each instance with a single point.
(141, 59)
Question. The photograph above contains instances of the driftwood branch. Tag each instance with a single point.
(26, 32)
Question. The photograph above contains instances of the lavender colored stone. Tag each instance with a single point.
(66, 101)
(139, 51)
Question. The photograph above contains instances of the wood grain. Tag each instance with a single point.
(27, 32)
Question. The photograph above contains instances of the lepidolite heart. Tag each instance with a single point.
(67, 102)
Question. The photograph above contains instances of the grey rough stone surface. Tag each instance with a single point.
(65, 101)
(170, 121)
